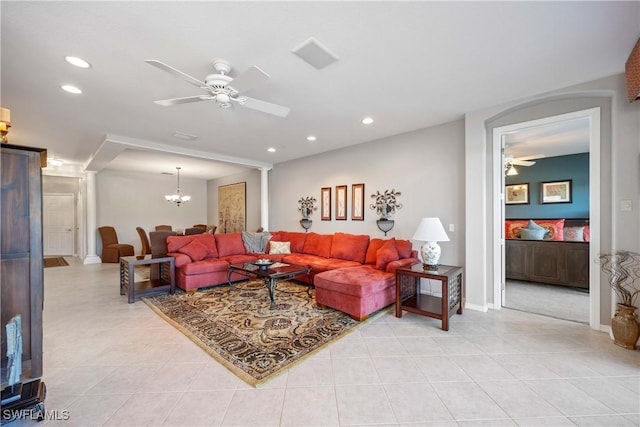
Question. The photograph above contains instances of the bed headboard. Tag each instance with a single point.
(558, 229)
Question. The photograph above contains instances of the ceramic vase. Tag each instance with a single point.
(625, 327)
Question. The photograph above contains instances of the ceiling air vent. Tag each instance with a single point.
(315, 53)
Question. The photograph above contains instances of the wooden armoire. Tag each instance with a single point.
(21, 257)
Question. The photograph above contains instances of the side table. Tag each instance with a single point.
(165, 282)
(409, 298)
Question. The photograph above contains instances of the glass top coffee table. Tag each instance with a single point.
(270, 273)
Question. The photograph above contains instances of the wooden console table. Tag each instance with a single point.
(409, 298)
(165, 282)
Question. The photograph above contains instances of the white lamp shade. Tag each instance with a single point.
(430, 230)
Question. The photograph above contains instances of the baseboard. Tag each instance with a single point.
(482, 308)
(92, 259)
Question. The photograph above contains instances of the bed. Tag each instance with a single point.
(560, 257)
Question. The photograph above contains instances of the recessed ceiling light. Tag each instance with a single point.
(183, 135)
(71, 89)
(367, 121)
(311, 138)
(78, 62)
(271, 150)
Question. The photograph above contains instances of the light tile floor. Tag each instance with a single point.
(107, 362)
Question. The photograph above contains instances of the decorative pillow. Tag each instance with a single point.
(229, 244)
(512, 227)
(555, 227)
(372, 251)
(404, 248)
(279, 247)
(196, 250)
(533, 234)
(574, 234)
(586, 233)
(387, 253)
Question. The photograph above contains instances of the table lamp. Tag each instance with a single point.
(431, 232)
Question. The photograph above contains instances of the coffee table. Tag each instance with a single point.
(269, 274)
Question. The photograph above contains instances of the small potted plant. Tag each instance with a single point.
(623, 269)
(306, 208)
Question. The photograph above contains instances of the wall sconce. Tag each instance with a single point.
(5, 124)
(385, 205)
(306, 208)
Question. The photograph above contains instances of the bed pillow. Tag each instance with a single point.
(555, 227)
(513, 226)
(574, 234)
(586, 233)
(532, 233)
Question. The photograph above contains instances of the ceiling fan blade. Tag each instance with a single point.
(185, 100)
(171, 70)
(522, 162)
(265, 107)
(249, 79)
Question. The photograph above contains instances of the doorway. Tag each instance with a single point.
(59, 224)
(592, 116)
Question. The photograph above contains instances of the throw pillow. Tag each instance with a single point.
(574, 234)
(512, 227)
(554, 226)
(387, 253)
(372, 251)
(279, 247)
(195, 250)
(532, 234)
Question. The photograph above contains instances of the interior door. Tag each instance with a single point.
(59, 224)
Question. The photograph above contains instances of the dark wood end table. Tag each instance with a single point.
(409, 298)
(165, 282)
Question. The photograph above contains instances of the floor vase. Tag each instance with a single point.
(624, 327)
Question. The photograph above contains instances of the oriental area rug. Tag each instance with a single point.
(237, 328)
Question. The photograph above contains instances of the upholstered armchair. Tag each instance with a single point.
(144, 241)
(111, 249)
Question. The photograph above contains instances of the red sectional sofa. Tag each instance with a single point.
(351, 273)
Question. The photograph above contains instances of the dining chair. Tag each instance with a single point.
(193, 230)
(203, 226)
(211, 229)
(144, 241)
(164, 227)
(111, 249)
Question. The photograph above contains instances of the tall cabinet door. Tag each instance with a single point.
(21, 260)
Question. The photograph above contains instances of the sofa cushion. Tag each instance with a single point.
(229, 244)
(387, 253)
(180, 259)
(358, 281)
(205, 266)
(210, 242)
(196, 250)
(404, 248)
(372, 251)
(303, 259)
(279, 247)
(318, 244)
(351, 247)
(239, 259)
(401, 263)
(297, 240)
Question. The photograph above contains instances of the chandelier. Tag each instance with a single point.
(178, 198)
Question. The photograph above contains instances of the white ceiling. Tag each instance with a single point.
(409, 65)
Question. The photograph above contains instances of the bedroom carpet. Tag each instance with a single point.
(560, 302)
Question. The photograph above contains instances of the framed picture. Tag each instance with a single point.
(555, 192)
(357, 202)
(232, 208)
(517, 194)
(325, 204)
(341, 202)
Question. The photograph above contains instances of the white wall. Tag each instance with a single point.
(252, 178)
(426, 166)
(126, 200)
(620, 174)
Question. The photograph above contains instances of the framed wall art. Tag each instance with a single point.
(357, 202)
(516, 194)
(341, 202)
(555, 192)
(232, 208)
(325, 204)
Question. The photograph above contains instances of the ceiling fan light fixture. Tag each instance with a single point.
(511, 170)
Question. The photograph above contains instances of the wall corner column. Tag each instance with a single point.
(92, 255)
(264, 198)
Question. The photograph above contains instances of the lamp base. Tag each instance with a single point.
(430, 267)
(430, 252)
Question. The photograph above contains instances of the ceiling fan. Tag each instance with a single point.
(510, 162)
(222, 88)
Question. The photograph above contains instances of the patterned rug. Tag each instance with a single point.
(236, 327)
(56, 261)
